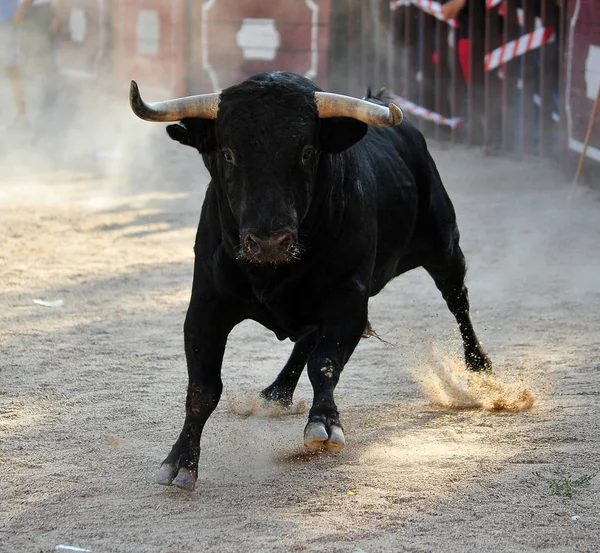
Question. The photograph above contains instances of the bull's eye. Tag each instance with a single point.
(307, 153)
(228, 155)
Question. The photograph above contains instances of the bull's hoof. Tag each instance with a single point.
(478, 362)
(336, 441)
(171, 475)
(185, 479)
(277, 395)
(165, 475)
(316, 436)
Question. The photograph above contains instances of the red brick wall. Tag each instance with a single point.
(149, 45)
(83, 43)
(218, 58)
(174, 47)
(582, 68)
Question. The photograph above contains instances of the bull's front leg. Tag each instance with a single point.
(207, 325)
(344, 320)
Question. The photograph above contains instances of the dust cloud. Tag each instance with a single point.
(89, 132)
(448, 384)
(247, 403)
(82, 126)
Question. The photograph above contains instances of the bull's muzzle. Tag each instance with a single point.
(268, 247)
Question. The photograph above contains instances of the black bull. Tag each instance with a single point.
(310, 211)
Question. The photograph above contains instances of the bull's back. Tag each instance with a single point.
(416, 219)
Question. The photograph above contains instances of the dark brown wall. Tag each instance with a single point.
(582, 79)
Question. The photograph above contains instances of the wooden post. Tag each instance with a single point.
(563, 140)
(353, 18)
(397, 47)
(476, 73)
(588, 135)
(338, 54)
(526, 141)
(509, 88)
(411, 21)
(442, 99)
(366, 50)
(548, 80)
(458, 91)
(492, 82)
(427, 96)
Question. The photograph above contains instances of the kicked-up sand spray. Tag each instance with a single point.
(449, 384)
(248, 403)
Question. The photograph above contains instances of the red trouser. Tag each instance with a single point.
(463, 58)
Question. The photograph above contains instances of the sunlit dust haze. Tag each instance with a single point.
(246, 403)
(448, 384)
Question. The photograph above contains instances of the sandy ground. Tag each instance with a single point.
(92, 392)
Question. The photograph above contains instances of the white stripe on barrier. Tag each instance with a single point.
(428, 6)
(424, 113)
(520, 12)
(518, 47)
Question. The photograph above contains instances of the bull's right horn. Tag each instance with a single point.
(202, 106)
(337, 105)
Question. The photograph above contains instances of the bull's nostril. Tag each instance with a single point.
(268, 247)
(286, 242)
(251, 244)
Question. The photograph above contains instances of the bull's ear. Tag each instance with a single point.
(197, 133)
(339, 133)
(179, 133)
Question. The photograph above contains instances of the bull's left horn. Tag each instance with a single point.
(337, 105)
(202, 106)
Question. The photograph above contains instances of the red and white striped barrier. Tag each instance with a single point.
(428, 6)
(518, 47)
(424, 113)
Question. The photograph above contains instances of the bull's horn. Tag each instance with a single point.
(203, 106)
(337, 105)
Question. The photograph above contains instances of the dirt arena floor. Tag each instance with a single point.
(95, 277)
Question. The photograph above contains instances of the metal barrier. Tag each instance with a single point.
(489, 77)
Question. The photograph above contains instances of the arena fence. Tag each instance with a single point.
(489, 77)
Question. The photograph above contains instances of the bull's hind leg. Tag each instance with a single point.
(282, 389)
(449, 277)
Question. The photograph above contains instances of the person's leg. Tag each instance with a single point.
(12, 68)
(18, 89)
